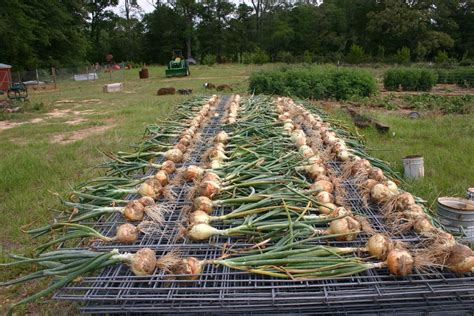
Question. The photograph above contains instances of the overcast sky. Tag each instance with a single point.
(146, 6)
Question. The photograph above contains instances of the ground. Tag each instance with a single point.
(56, 143)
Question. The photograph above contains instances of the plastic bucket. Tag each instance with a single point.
(143, 74)
(457, 215)
(413, 167)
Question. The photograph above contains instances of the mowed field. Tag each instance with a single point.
(56, 144)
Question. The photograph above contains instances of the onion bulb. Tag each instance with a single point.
(461, 259)
(347, 226)
(203, 203)
(221, 137)
(392, 186)
(322, 185)
(134, 211)
(174, 155)
(190, 268)
(181, 147)
(339, 212)
(209, 188)
(381, 193)
(146, 201)
(162, 177)
(376, 174)
(143, 262)
(400, 262)
(298, 137)
(126, 233)
(324, 197)
(327, 208)
(168, 166)
(306, 151)
(315, 170)
(379, 246)
(343, 155)
(192, 172)
(199, 217)
(211, 176)
(201, 231)
(151, 187)
(404, 201)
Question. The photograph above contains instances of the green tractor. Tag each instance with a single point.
(178, 66)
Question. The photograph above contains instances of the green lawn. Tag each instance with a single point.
(31, 165)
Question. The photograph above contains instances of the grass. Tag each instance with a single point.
(31, 166)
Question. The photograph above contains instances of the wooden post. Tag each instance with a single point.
(53, 73)
(110, 73)
(37, 77)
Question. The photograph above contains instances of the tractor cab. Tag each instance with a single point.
(178, 66)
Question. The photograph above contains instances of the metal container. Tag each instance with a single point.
(414, 167)
(457, 215)
(470, 194)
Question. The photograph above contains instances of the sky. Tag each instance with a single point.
(146, 6)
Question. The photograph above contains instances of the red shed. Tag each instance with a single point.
(5, 76)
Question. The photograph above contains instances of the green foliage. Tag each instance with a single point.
(445, 104)
(307, 57)
(462, 76)
(260, 56)
(314, 82)
(209, 60)
(402, 56)
(441, 57)
(356, 55)
(284, 57)
(410, 79)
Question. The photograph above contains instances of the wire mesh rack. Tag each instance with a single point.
(223, 290)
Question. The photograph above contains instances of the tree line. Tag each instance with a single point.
(61, 33)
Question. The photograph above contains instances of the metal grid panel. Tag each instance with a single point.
(220, 289)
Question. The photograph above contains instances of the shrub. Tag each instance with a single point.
(209, 60)
(284, 57)
(356, 55)
(464, 77)
(402, 56)
(441, 57)
(314, 82)
(466, 62)
(307, 57)
(260, 57)
(410, 79)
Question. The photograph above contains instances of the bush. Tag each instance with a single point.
(356, 55)
(260, 57)
(314, 82)
(402, 56)
(284, 57)
(463, 77)
(410, 79)
(307, 57)
(209, 60)
(441, 57)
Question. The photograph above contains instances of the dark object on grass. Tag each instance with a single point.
(223, 87)
(382, 128)
(414, 115)
(164, 91)
(143, 74)
(362, 122)
(185, 91)
(209, 86)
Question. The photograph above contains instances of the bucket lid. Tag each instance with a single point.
(457, 203)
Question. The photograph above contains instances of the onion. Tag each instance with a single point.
(168, 166)
(181, 147)
(404, 201)
(422, 225)
(376, 174)
(326, 208)
(151, 187)
(209, 188)
(314, 159)
(174, 155)
(126, 233)
(322, 185)
(343, 155)
(361, 165)
(199, 217)
(221, 137)
(288, 127)
(323, 177)
(340, 211)
(185, 141)
(201, 231)
(216, 154)
(298, 137)
(324, 197)
(379, 246)
(216, 164)
(400, 262)
(191, 267)
(203, 203)
(306, 151)
(315, 170)
(162, 177)
(392, 186)
(211, 176)
(192, 172)
(143, 262)
(381, 193)
(369, 184)
(346, 225)
(146, 201)
(134, 211)
(461, 259)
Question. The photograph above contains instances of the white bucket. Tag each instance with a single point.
(414, 167)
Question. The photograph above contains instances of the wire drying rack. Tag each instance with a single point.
(223, 290)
